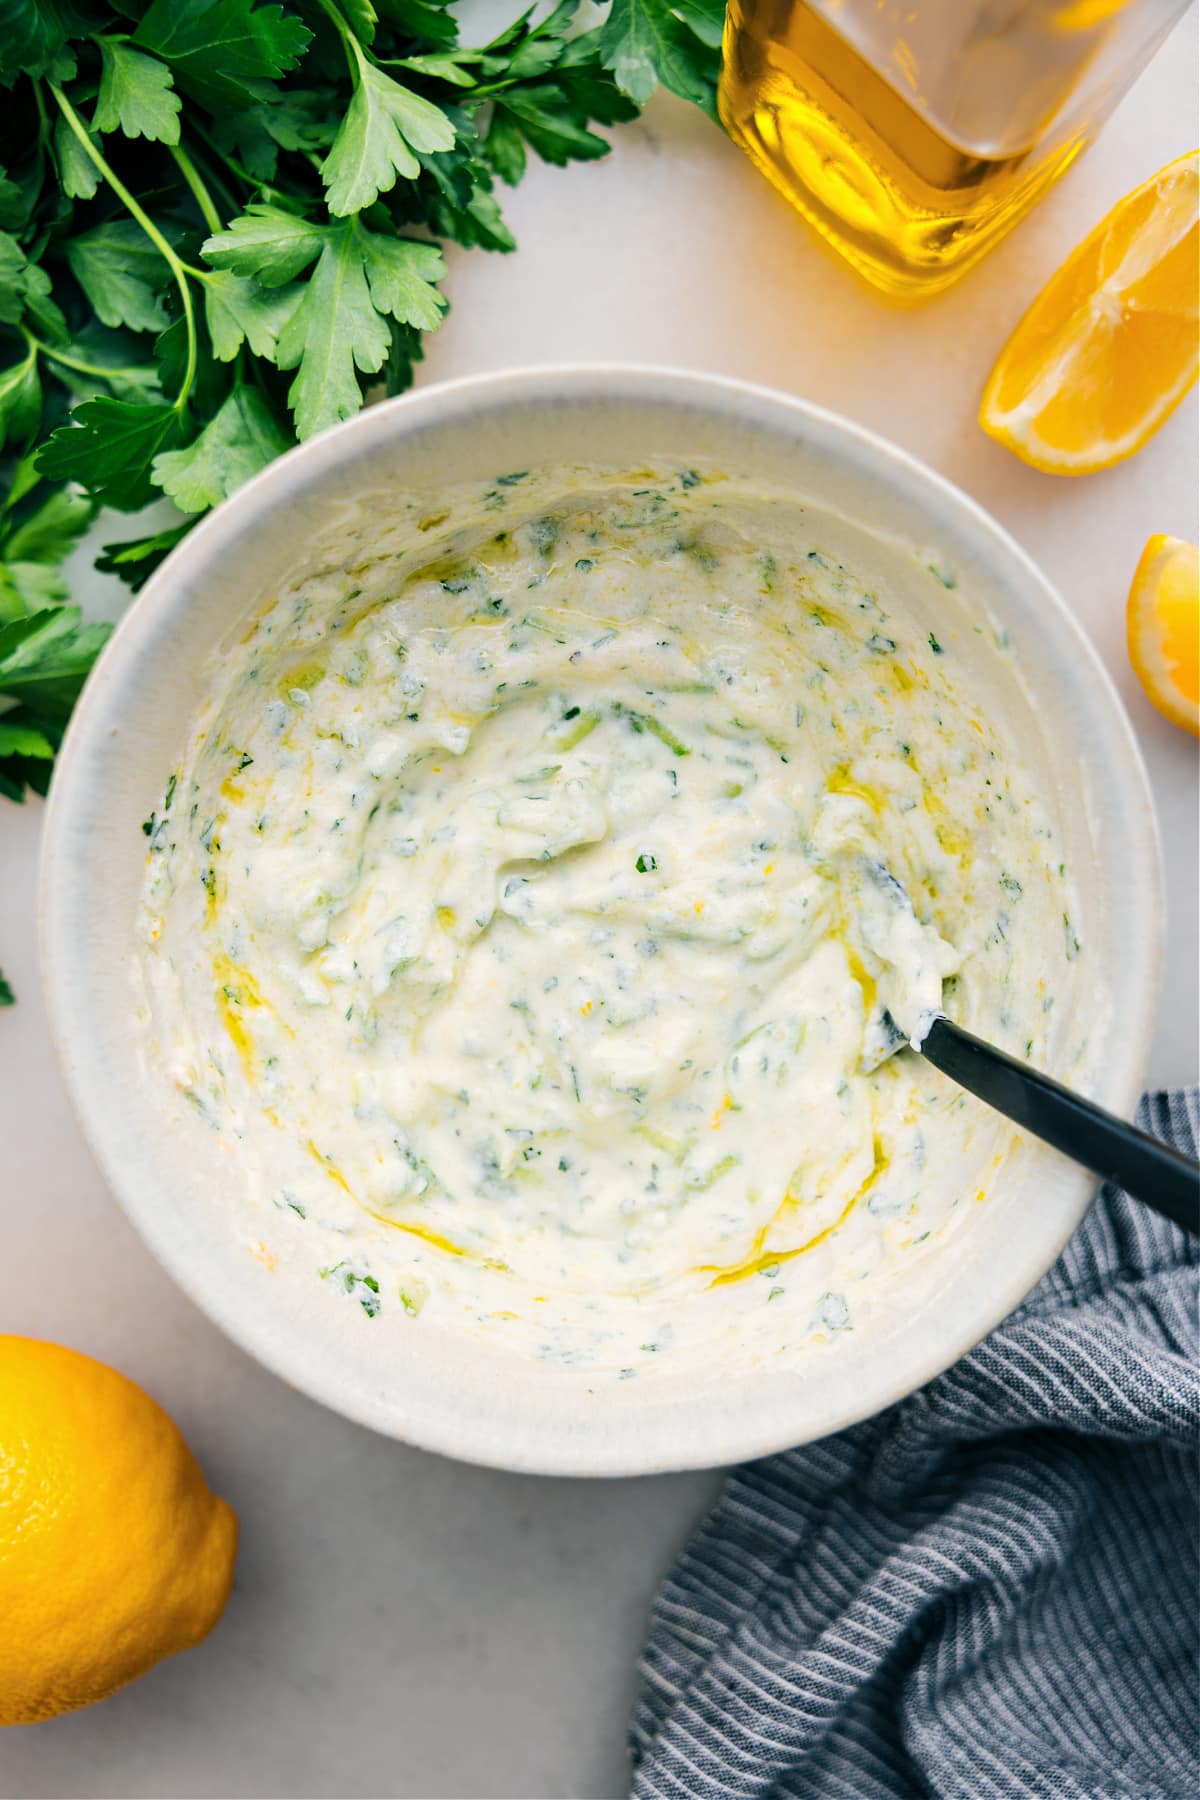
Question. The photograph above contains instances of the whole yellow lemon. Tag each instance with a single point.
(113, 1550)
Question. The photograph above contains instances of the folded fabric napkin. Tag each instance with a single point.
(989, 1590)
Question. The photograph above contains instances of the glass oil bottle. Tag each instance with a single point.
(915, 133)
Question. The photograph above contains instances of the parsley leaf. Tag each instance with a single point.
(337, 327)
(44, 659)
(266, 243)
(242, 438)
(109, 447)
(458, 202)
(46, 654)
(401, 275)
(362, 19)
(41, 309)
(12, 204)
(547, 121)
(25, 289)
(50, 531)
(334, 331)
(225, 52)
(77, 172)
(20, 401)
(12, 279)
(97, 360)
(34, 538)
(33, 41)
(645, 42)
(122, 275)
(296, 120)
(135, 559)
(241, 311)
(23, 740)
(385, 126)
(706, 18)
(428, 19)
(137, 95)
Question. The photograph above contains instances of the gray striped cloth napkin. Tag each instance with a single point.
(991, 1590)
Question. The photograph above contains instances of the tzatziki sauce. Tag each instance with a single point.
(524, 904)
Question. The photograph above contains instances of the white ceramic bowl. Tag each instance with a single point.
(439, 1391)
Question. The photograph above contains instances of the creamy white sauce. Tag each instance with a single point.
(528, 897)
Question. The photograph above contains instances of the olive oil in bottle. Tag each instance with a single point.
(915, 133)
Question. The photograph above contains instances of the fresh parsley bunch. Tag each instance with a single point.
(220, 224)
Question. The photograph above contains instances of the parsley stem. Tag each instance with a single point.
(101, 371)
(203, 198)
(43, 136)
(350, 44)
(152, 232)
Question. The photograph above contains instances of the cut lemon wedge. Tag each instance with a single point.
(1111, 344)
(1162, 619)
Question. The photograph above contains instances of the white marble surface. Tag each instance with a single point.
(402, 1625)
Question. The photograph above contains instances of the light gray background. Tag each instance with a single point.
(401, 1625)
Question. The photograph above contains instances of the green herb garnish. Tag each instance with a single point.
(641, 722)
(350, 1280)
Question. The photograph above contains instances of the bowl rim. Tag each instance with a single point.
(758, 408)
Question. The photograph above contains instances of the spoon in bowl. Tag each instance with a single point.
(1154, 1173)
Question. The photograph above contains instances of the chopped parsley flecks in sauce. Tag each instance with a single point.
(525, 895)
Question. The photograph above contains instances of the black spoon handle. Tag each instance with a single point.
(1162, 1178)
